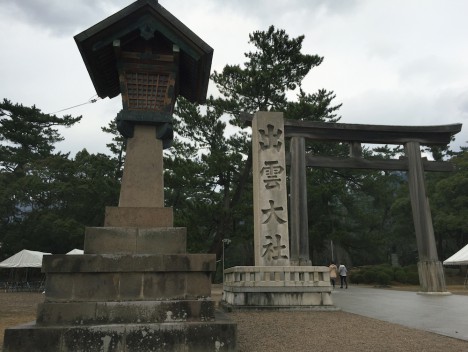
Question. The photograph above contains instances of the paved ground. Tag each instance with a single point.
(445, 315)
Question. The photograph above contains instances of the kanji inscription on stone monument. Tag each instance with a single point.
(271, 234)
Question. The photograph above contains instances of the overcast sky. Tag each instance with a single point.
(388, 61)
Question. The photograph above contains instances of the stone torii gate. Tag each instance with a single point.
(431, 274)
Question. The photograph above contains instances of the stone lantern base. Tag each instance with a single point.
(134, 290)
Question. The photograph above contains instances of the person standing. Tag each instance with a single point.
(343, 275)
(333, 273)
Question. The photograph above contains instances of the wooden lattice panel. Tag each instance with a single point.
(147, 91)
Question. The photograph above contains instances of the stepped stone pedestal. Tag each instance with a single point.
(134, 289)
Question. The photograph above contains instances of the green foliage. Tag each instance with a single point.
(46, 198)
(203, 176)
(369, 276)
(27, 134)
(400, 275)
(385, 275)
(313, 107)
(276, 66)
(383, 279)
(412, 278)
(356, 278)
(117, 147)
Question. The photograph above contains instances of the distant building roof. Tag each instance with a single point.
(145, 18)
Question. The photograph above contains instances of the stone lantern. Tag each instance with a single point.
(135, 288)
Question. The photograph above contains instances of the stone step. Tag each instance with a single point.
(133, 240)
(138, 217)
(95, 263)
(218, 335)
(112, 277)
(128, 312)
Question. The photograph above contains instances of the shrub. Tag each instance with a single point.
(356, 278)
(384, 274)
(411, 268)
(382, 278)
(399, 275)
(369, 276)
(387, 269)
(413, 278)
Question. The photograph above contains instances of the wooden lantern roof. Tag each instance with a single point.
(144, 19)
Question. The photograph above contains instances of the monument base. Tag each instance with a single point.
(277, 288)
(218, 335)
(135, 289)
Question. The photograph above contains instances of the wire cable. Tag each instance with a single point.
(91, 100)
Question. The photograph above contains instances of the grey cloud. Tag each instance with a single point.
(65, 18)
(335, 7)
(61, 18)
(382, 49)
(268, 10)
(463, 104)
(431, 69)
(338, 7)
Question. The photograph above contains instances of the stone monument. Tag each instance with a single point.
(135, 288)
(276, 281)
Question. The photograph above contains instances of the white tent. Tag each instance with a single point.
(24, 259)
(76, 251)
(459, 258)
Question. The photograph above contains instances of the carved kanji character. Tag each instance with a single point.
(272, 213)
(271, 170)
(270, 138)
(273, 248)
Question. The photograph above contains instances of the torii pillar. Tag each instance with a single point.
(298, 202)
(431, 272)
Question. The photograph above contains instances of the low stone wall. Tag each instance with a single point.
(277, 287)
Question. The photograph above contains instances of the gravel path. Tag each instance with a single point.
(295, 331)
(332, 331)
